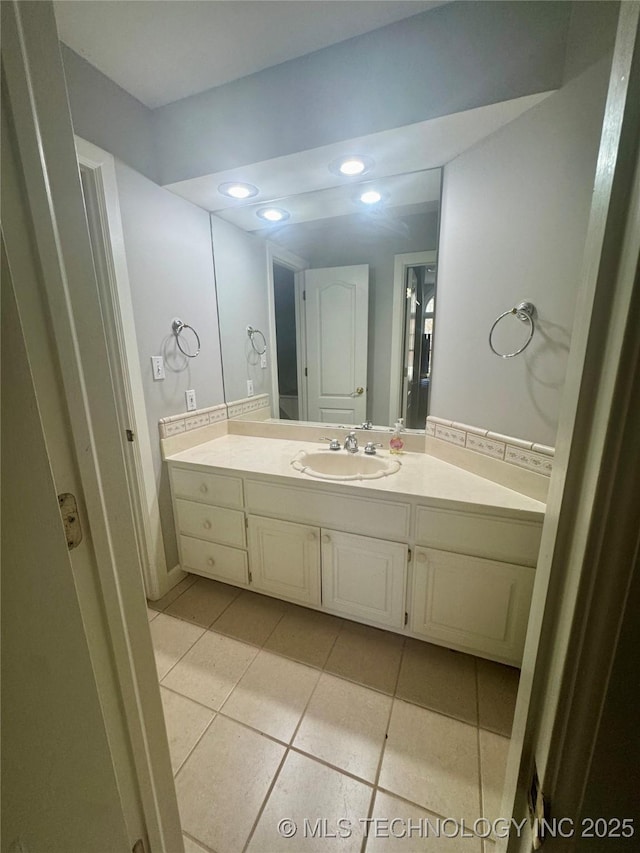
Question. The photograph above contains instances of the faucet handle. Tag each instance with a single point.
(370, 448)
(366, 425)
(334, 444)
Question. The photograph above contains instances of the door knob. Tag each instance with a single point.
(211, 561)
(206, 525)
(203, 488)
(311, 537)
(422, 557)
(326, 538)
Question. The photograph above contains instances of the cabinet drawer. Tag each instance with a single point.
(208, 488)
(471, 603)
(213, 560)
(506, 539)
(388, 519)
(215, 523)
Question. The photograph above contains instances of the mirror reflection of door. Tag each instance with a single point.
(418, 343)
(336, 311)
(330, 353)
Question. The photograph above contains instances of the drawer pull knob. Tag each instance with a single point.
(211, 561)
(206, 525)
(203, 488)
(326, 538)
(422, 558)
(311, 537)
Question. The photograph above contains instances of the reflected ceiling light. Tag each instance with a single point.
(352, 166)
(237, 189)
(370, 197)
(272, 214)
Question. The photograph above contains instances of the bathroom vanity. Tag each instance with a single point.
(431, 551)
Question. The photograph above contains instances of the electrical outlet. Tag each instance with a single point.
(249, 387)
(263, 360)
(157, 366)
(191, 400)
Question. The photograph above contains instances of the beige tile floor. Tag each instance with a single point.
(277, 712)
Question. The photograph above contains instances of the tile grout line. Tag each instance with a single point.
(267, 796)
(365, 839)
(162, 610)
(190, 752)
(197, 841)
(288, 749)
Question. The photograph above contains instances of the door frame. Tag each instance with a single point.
(580, 593)
(400, 264)
(67, 350)
(115, 293)
(279, 255)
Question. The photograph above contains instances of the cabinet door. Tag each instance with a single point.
(471, 603)
(285, 559)
(364, 577)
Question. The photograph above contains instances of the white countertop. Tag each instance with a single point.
(421, 475)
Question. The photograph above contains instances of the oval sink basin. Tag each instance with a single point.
(340, 465)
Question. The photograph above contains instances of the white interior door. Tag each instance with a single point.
(336, 309)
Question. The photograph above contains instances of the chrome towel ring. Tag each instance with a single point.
(525, 312)
(252, 333)
(178, 327)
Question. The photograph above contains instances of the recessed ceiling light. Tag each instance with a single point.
(237, 189)
(352, 166)
(272, 214)
(370, 197)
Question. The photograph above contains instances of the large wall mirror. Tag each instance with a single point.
(349, 277)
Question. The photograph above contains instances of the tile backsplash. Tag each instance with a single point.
(187, 421)
(515, 451)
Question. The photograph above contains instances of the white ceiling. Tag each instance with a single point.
(163, 50)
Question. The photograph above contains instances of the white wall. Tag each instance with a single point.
(240, 261)
(111, 118)
(452, 58)
(514, 218)
(168, 248)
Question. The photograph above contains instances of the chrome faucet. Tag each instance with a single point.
(351, 443)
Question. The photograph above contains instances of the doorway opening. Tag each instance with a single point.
(418, 343)
(284, 294)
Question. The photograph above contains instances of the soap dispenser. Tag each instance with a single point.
(396, 442)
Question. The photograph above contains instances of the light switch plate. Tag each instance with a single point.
(191, 400)
(249, 387)
(157, 366)
(263, 360)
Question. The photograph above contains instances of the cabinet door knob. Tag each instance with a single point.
(203, 488)
(311, 537)
(421, 557)
(206, 524)
(211, 561)
(326, 538)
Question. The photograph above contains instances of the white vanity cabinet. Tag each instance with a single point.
(471, 603)
(210, 525)
(472, 586)
(285, 559)
(467, 586)
(364, 578)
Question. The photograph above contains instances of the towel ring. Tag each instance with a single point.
(178, 327)
(524, 312)
(251, 332)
